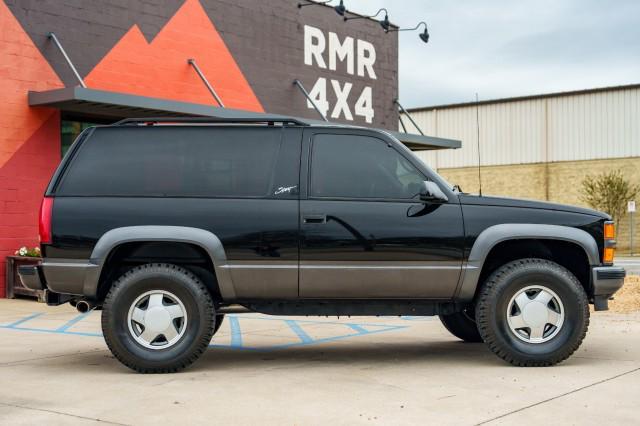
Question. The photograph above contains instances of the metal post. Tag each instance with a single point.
(306, 95)
(53, 37)
(195, 66)
(631, 238)
(404, 128)
(403, 111)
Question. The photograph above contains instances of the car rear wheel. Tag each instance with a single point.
(158, 318)
(532, 312)
(462, 325)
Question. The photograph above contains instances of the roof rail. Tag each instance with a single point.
(247, 119)
(261, 119)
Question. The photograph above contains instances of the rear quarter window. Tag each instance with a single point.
(174, 161)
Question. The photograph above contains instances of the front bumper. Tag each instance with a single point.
(606, 281)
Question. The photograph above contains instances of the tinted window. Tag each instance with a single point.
(361, 167)
(174, 161)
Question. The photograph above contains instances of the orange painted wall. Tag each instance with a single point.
(160, 69)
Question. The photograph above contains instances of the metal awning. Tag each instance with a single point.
(112, 105)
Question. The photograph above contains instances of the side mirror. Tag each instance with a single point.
(431, 193)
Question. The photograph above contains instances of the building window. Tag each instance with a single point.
(70, 131)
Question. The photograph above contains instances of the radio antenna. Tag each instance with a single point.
(478, 132)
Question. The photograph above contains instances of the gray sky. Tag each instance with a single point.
(502, 48)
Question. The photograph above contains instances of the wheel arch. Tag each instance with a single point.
(496, 235)
(206, 241)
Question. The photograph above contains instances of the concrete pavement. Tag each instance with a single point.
(55, 368)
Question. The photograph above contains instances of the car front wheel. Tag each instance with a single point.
(532, 312)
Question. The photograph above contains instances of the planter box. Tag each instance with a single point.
(14, 286)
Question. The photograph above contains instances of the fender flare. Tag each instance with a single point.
(183, 234)
(496, 234)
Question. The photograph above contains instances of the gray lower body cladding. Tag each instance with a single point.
(607, 280)
(65, 276)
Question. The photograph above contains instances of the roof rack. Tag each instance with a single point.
(261, 119)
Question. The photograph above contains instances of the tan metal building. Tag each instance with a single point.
(542, 146)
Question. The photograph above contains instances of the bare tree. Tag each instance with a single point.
(608, 192)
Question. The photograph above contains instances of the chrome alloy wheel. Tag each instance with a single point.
(157, 319)
(535, 314)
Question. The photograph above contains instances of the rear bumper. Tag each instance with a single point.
(62, 276)
(31, 277)
(606, 281)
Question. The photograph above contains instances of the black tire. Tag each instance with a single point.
(493, 301)
(197, 303)
(462, 325)
(219, 320)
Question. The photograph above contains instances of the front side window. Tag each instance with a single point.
(349, 166)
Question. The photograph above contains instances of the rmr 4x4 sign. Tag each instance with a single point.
(357, 56)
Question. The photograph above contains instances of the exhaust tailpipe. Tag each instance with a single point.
(84, 306)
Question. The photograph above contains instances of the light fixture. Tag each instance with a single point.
(384, 23)
(424, 36)
(340, 9)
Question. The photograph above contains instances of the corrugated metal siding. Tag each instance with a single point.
(564, 128)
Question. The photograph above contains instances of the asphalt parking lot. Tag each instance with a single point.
(56, 369)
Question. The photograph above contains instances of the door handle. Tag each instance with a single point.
(315, 218)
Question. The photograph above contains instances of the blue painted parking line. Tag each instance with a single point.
(304, 337)
(60, 330)
(48, 331)
(73, 321)
(236, 335)
(357, 328)
(417, 318)
(23, 320)
(297, 326)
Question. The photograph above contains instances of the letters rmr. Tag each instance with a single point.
(359, 57)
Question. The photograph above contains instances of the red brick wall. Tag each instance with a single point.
(29, 138)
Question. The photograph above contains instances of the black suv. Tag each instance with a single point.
(167, 226)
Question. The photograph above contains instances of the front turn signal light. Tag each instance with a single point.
(609, 252)
(609, 243)
(609, 231)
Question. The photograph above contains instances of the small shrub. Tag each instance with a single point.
(609, 192)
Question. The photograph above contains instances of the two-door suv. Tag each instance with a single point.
(169, 225)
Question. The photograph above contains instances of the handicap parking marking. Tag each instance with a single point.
(305, 332)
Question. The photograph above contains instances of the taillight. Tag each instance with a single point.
(609, 243)
(44, 224)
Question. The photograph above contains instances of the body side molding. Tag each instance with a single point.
(183, 234)
(496, 234)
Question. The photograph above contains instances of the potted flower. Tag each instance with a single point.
(24, 251)
(23, 256)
